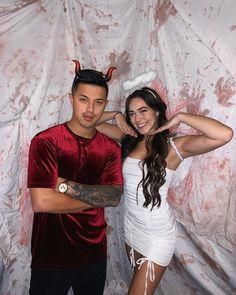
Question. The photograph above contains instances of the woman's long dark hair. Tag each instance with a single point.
(156, 145)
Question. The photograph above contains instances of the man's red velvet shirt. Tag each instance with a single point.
(73, 239)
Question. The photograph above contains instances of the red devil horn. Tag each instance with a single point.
(77, 66)
(109, 73)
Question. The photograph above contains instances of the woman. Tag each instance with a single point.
(149, 162)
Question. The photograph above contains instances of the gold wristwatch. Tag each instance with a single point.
(63, 187)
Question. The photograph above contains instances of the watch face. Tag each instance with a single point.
(63, 187)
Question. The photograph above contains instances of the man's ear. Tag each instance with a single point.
(71, 97)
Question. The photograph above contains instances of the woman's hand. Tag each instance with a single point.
(173, 123)
(121, 123)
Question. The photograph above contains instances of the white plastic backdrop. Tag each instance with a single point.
(192, 47)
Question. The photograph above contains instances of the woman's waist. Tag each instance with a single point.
(137, 204)
(157, 216)
(162, 227)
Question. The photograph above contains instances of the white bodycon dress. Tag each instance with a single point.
(151, 233)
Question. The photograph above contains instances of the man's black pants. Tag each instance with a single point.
(88, 280)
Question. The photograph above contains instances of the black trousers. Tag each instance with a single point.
(88, 280)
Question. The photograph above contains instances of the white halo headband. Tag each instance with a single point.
(150, 91)
(143, 79)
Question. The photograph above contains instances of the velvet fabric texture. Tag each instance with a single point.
(75, 239)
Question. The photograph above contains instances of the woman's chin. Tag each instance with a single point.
(144, 132)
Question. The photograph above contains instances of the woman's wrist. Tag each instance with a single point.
(180, 116)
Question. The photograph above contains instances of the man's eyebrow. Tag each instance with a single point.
(85, 96)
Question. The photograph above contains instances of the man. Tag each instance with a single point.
(68, 239)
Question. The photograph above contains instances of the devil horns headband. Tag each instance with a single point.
(107, 77)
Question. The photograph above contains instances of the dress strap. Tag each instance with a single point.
(131, 257)
(175, 148)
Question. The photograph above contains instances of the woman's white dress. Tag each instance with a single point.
(152, 233)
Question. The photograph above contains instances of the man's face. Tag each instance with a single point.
(88, 103)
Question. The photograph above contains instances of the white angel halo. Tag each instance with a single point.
(141, 79)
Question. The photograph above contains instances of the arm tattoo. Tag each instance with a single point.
(95, 195)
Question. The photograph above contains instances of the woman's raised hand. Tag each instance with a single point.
(173, 123)
(122, 124)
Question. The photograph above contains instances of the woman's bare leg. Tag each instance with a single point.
(136, 254)
(138, 283)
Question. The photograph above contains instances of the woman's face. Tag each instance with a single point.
(142, 117)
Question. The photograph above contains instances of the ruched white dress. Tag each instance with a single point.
(152, 233)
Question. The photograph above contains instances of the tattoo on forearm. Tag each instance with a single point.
(95, 195)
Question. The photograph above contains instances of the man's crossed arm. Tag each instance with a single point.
(95, 195)
(78, 197)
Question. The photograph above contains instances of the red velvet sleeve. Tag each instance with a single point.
(42, 167)
(112, 174)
